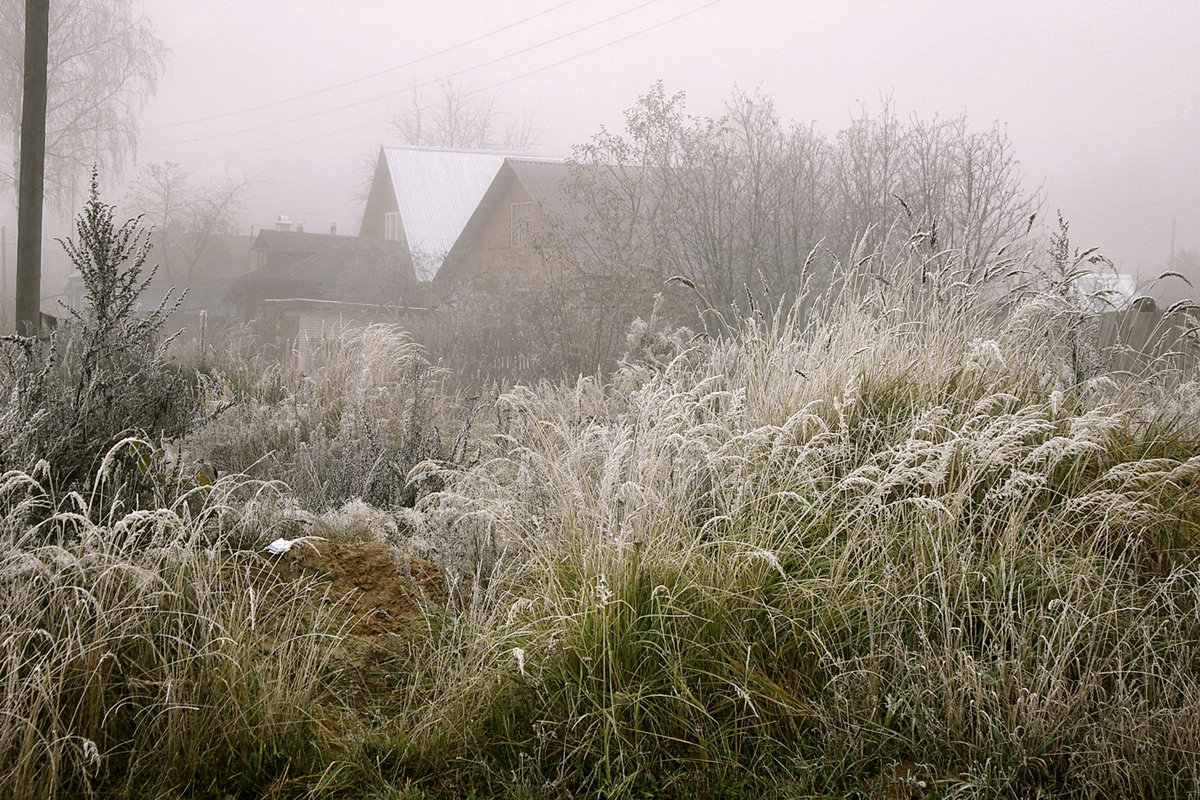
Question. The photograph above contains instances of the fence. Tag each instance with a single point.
(1145, 338)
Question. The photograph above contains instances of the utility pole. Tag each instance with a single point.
(33, 165)
(3, 279)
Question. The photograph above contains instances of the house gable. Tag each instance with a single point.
(381, 201)
(489, 247)
(513, 234)
(429, 194)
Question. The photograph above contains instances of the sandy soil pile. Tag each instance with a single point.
(383, 588)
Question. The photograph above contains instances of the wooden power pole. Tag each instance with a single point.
(32, 172)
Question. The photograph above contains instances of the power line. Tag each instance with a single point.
(496, 85)
(379, 97)
(594, 49)
(353, 81)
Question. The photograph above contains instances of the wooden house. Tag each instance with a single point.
(524, 228)
(422, 198)
(319, 266)
(204, 271)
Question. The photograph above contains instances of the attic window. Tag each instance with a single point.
(393, 227)
(521, 225)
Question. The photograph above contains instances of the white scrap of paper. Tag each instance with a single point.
(281, 546)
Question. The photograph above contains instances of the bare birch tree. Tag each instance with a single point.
(185, 216)
(104, 61)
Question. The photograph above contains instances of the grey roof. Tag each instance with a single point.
(342, 267)
(269, 240)
(559, 187)
(547, 183)
(436, 193)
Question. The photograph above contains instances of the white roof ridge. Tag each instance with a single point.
(470, 151)
(543, 159)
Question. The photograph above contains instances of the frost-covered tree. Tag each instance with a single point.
(456, 117)
(739, 204)
(727, 203)
(104, 62)
(185, 215)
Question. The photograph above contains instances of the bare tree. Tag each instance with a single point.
(619, 186)
(739, 205)
(104, 61)
(868, 168)
(760, 199)
(185, 216)
(966, 188)
(456, 117)
(728, 203)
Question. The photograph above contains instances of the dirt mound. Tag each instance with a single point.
(384, 589)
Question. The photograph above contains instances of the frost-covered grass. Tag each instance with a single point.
(141, 656)
(904, 541)
(899, 542)
(370, 408)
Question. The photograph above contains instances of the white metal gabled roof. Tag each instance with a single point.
(436, 193)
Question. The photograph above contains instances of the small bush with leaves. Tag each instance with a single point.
(69, 397)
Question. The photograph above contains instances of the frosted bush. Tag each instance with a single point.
(357, 521)
(461, 540)
(370, 411)
(70, 395)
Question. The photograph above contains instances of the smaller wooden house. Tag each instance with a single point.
(197, 275)
(523, 228)
(310, 284)
(319, 266)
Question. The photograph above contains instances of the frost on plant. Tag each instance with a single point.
(105, 370)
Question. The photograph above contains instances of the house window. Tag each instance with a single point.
(393, 227)
(521, 225)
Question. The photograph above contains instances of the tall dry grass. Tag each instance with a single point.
(370, 408)
(141, 657)
(904, 538)
(900, 541)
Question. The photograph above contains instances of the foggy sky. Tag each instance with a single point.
(1101, 99)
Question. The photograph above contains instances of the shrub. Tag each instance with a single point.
(371, 409)
(69, 397)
